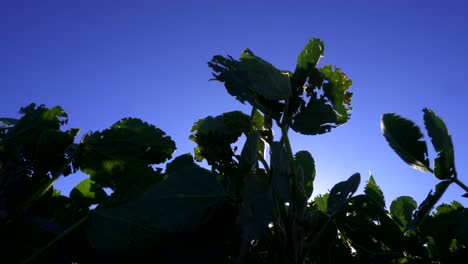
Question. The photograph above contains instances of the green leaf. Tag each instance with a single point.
(305, 161)
(253, 80)
(335, 89)
(257, 119)
(324, 111)
(257, 206)
(406, 139)
(315, 118)
(374, 192)
(426, 206)
(321, 201)
(281, 182)
(179, 204)
(87, 193)
(402, 210)
(341, 192)
(307, 60)
(444, 164)
(311, 54)
(368, 227)
(123, 156)
(8, 121)
(249, 151)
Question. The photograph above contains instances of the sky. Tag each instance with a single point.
(105, 60)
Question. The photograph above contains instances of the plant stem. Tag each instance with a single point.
(58, 238)
(461, 184)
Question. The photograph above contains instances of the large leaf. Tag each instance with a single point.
(280, 181)
(328, 102)
(426, 206)
(257, 206)
(366, 223)
(122, 157)
(307, 60)
(406, 139)
(341, 192)
(305, 161)
(179, 204)
(374, 192)
(214, 136)
(402, 210)
(87, 193)
(249, 151)
(253, 80)
(444, 164)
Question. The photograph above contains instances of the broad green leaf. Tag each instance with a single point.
(321, 201)
(402, 210)
(366, 224)
(123, 156)
(249, 151)
(307, 60)
(179, 204)
(444, 164)
(305, 161)
(253, 80)
(87, 193)
(426, 206)
(279, 163)
(315, 118)
(311, 54)
(448, 229)
(335, 89)
(257, 206)
(257, 119)
(328, 103)
(406, 139)
(341, 192)
(374, 192)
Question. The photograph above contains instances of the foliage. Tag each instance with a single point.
(251, 206)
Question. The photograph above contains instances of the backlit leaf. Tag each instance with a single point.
(179, 204)
(305, 161)
(341, 192)
(406, 139)
(444, 164)
(87, 193)
(374, 192)
(402, 210)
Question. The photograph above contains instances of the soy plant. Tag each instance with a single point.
(443, 231)
(273, 215)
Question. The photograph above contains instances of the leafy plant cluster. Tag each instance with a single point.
(252, 206)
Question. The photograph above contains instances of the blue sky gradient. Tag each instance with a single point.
(106, 60)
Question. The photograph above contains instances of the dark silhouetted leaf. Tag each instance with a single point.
(406, 139)
(178, 204)
(444, 164)
(281, 181)
(257, 206)
(374, 192)
(341, 192)
(250, 149)
(402, 210)
(324, 111)
(121, 157)
(366, 223)
(305, 161)
(253, 80)
(426, 206)
(87, 193)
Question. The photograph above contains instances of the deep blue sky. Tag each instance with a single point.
(105, 60)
